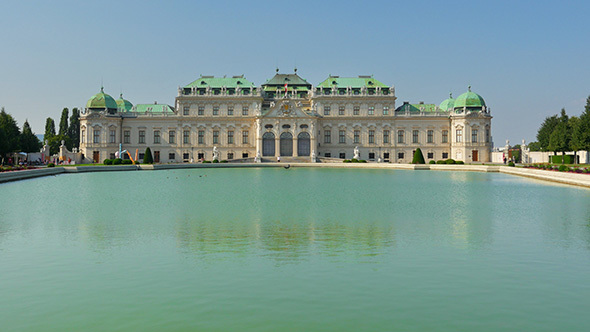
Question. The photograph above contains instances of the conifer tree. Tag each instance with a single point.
(147, 158)
(74, 129)
(11, 132)
(544, 133)
(28, 141)
(63, 122)
(418, 157)
(559, 141)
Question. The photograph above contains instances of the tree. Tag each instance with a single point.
(576, 143)
(74, 129)
(418, 157)
(52, 139)
(147, 158)
(534, 146)
(11, 132)
(559, 141)
(582, 132)
(28, 141)
(544, 133)
(63, 122)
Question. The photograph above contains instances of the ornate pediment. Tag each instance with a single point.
(286, 108)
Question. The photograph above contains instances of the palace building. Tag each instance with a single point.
(287, 117)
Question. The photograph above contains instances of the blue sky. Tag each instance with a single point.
(528, 59)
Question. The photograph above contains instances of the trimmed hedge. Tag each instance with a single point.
(108, 161)
(51, 165)
(418, 157)
(127, 162)
(354, 161)
(432, 162)
(563, 168)
(511, 164)
(567, 159)
(450, 161)
(147, 157)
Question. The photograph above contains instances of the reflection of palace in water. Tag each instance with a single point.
(288, 117)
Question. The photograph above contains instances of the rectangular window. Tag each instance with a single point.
(185, 156)
(171, 156)
(445, 136)
(357, 136)
(459, 135)
(356, 110)
(371, 155)
(230, 137)
(341, 110)
(230, 110)
(156, 156)
(83, 136)
(156, 137)
(245, 137)
(327, 136)
(245, 110)
(400, 136)
(141, 155)
(328, 155)
(112, 156)
(215, 110)
(487, 135)
(112, 136)
(185, 110)
(430, 136)
(400, 155)
(386, 156)
(445, 155)
(371, 110)
(201, 137)
(342, 155)
(430, 155)
(244, 154)
(215, 136)
(473, 135)
(386, 136)
(326, 110)
(414, 136)
(385, 110)
(186, 136)
(201, 110)
(200, 156)
(230, 155)
(371, 136)
(171, 137)
(342, 136)
(127, 136)
(142, 137)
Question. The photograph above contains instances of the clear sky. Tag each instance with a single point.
(527, 59)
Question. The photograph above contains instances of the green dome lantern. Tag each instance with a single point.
(469, 100)
(124, 105)
(102, 101)
(447, 104)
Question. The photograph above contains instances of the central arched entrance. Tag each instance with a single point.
(303, 144)
(286, 144)
(268, 144)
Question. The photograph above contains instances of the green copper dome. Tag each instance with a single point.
(447, 104)
(124, 105)
(101, 100)
(470, 100)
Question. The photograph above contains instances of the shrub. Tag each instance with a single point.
(51, 165)
(126, 162)
(567, 159)
(215, 161)
(563, 168)
(108, 161)
(432, 162)
(147, 158)
(224, 161)
(418, 157)
(511, 164)
(459, 162)
(206, 161)
(441, 162)
(353, 160)
(362, 161)
(450, 161)
(117, 161)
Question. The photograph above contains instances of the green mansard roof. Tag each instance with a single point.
(416, 108)
(290, 79)
(353, 82)
(218, 82)
(153, 108)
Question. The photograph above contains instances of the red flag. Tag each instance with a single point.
(285, 87)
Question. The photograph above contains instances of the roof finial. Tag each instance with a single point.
(277, 70)
(451, 95)
(469, 88)
(295, 69)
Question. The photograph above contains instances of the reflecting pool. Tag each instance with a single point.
(293, 250)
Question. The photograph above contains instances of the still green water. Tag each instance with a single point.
(293, 250)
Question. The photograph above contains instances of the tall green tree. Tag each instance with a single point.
(3, 146)
(63, 122)
(582, 132)
(28, 141)
(559, 141)
(544, 133)
(74, 129)
(11, 132)
(52, 139)
(147, 157)
(576, 143)
(418, 157)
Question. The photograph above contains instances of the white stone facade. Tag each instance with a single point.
(295, 125)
